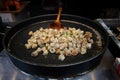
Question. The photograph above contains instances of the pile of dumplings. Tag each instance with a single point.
(64, 42)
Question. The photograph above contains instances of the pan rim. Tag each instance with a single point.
(53, 65)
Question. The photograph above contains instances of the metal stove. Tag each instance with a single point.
(104, 71)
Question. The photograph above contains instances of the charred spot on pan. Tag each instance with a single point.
(99, 42)
(116, 31)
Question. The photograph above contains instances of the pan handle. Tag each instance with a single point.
(100, 21)
(4, 27)
(2, 33)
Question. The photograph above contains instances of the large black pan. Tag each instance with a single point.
(49, 65)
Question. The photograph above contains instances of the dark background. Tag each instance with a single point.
(89, 9)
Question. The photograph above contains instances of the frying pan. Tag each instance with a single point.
(49, 66)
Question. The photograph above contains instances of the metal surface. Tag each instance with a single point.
(104, 71)
(110, 25)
